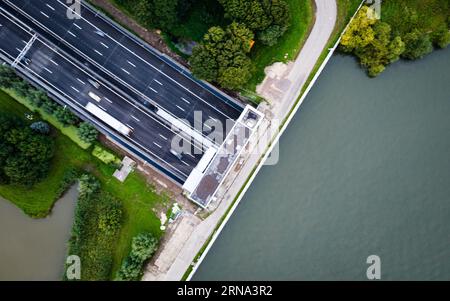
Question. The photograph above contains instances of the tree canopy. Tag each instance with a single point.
(25, 154)
(269, 19)
(372, 41)
(222, 56)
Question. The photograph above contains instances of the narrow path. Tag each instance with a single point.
(283, 83)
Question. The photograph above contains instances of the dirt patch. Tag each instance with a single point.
(150, 36)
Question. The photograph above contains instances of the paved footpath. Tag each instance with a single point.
(281, 88)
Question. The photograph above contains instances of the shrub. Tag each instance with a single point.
(65, 116)
(142, 248)
(87, 132)
(105, 156)
(88, 185)
(40, 127)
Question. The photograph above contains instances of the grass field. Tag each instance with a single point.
(138, 197)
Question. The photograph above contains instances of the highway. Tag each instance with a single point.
(101, 43)
(56, 70)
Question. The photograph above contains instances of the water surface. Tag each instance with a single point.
(35, 249)
(364, 169)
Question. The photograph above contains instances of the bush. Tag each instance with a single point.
(271, 35)
(89, 185)
(87, 132)
(96, 228)
(65, 116)
(142, 248)
(105, 156)
(69, 177)
(40, 127)
(417, 45)
(110, 217)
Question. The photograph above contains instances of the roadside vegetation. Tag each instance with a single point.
(236, 39)
(408, 29)
(68, 161)
(143, 247)
(37, 101)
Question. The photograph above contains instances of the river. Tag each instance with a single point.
(364, 170)
(34, 249)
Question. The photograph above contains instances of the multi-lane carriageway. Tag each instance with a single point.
(54, 69)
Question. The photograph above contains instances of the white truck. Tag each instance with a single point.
(108, 119)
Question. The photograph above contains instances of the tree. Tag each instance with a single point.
(222, 56)
(443, 38)
(267, 18)
(162, 14)
(7, 76)
(271, 35)
(417, 45)
(87, 132)
(372, 41)
(25, 154)
(142, 248)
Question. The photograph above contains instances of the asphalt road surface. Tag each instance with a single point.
(115, 52)
(58, 71)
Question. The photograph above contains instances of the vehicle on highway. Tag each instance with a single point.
(94, 83)
(108, 119)
(26, 61)
(94, 96)
(100, 33)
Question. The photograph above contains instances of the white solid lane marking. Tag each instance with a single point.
(131, 64)
(185, 100)
(71, 33)
(135, 118)
(158, 82)
(76, 90)
(157, 144)
(124, 70)
(181, 108)
(98, 52)
(81, 81)
(44, 14)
